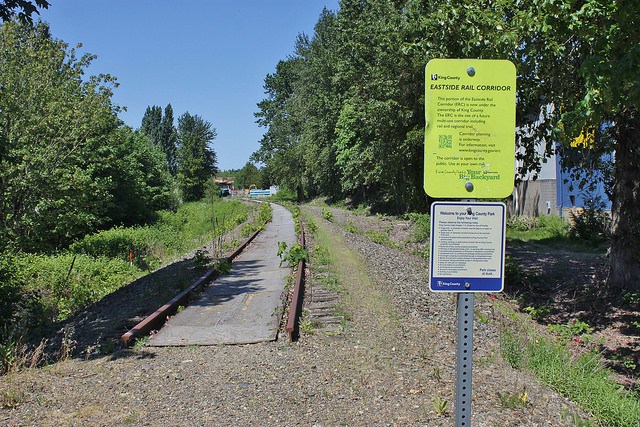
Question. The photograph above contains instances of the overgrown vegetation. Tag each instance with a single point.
(38, 290)
(421, 226)
(585, 231)
(258, 221)
(292, 255)
(173, 234)
(582, 377)
(592, 223)
(568, 359)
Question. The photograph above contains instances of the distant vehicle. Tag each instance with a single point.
(224, 192)
(251, 187)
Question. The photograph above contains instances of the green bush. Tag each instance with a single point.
(20, 308)
(327, 214)
(293, 255)
(421, 226)
(591, 224)
(117, 242)
(285, 195)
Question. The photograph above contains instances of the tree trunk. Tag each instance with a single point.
(299, 193)
(624, 253)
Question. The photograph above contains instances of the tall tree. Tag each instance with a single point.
(249, 174)
(351, 96)
(53, 121)
(161, 132)
(152, 124)
(280, 146)
(592, 55)
(139, 180)
(197, 161)
(169, 138)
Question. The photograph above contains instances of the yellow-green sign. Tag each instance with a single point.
(470, 134)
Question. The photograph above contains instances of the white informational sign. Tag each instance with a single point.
(467, 247)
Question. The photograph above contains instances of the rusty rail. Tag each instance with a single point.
(159, 317)
(295, 309)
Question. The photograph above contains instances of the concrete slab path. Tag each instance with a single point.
(240, 307)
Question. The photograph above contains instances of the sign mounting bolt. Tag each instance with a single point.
(469, 186)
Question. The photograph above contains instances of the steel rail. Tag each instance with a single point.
(159, 317)
(295, 308)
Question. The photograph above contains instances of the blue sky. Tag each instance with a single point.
(206, 57)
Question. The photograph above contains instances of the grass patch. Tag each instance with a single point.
(174, 234)
(583, 378)
(284, 195)
(552, 231)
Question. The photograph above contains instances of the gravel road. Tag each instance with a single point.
(385, 369)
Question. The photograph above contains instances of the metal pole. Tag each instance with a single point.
(464, 359)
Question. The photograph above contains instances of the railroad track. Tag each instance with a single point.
(230, 309)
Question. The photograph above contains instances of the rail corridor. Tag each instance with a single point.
(240, 307)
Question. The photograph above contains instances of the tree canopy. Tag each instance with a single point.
(67, 164)
(161, 132)
(24, 9)
(344, 114)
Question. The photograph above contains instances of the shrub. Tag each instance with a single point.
(327, 214)
(592, 223)
(522, 223)
(421, 226)
(294, 255)
(285, 195)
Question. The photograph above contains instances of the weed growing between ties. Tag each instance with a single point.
(327, 214)
(292, 255)
(308, 325)
(259, 221)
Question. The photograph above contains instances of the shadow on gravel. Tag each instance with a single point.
(96, 331)
(559, 287)
(131, 354)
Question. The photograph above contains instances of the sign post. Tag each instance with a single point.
(469, 154)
